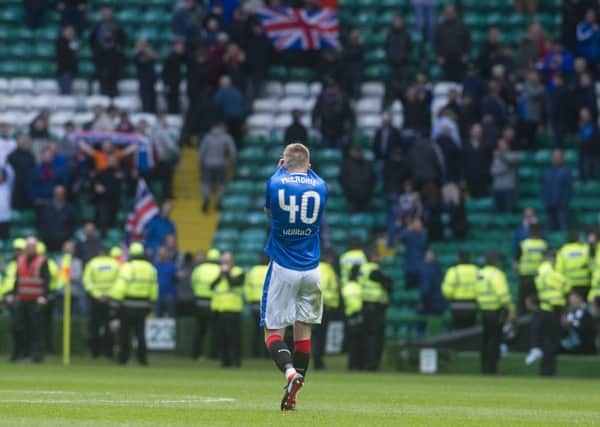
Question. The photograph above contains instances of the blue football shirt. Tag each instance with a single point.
(296, 202)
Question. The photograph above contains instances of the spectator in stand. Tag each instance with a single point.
(558, 105)
(387, 137)
(425, 161)
(504, 177)
(145, 64)
(166, 151)
(579, 326)
(72, 13)
(532, 47)
(23, 163)
(432, 302)
(417, 112)
(7, 181)
(88, 245)
(453, 103)
(125, 125)
(584, 96)
(353, 63)
(34, 13)
(526, 6)
(296, 131)
(452, 43)
(446, 124)
(197, 76)
(333, 116)
(100, 122)
(159, 228)
(66, 145)
(172, 76)
(66, 59)
(414, 240)
(476, 164)
(57, 220)
(588, 39)
(329, 66)
(409, 205)
(573, 12)
(238, 30)
(107, 42)
(107, 155)
(216, 154)
(187, 13)
(106, 188)
(557, 192)
(234, 62)
(39, 126)
(166, 271)
(232, 104)
(398, 46)
(490, 52)
(494, 105)
(259, 51)
(394, 173)
(7, 143)
(473, 85)
(452, 153)
(357, 180)
(531, 110)
(589, 145)
(522, 231)
(424, 11)
(556, 60)
(45, 177)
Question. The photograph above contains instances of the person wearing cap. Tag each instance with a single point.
(204, 277)
(99, 277)
(135, 293)
(116, 253)
(29, 297)
(49, 307)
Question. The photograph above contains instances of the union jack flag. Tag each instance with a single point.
(144, 209)
(299, 29)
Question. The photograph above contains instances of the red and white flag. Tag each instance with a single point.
(144, 209)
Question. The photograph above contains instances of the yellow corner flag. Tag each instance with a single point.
(67, 323)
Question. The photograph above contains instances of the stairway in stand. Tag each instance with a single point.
(194, 229)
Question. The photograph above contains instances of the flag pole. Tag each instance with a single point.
(67, 324)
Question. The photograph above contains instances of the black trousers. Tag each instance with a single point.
(204, 326)
(234, 128)
(355, 341)
(463, 317)
(582, 290)
(48, 312)
(101, 339)
(148, 97)
(491, 340)
(229, 325)
(454, 68)
(319, 339)
(550, 340)
(28, 330)
(526, 289)
(374, 327)
(133, 320)
(258, 333)
(173, 103)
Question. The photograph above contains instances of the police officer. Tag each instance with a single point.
(552, 287)
(331, 304)
(30, 296)
(376, 290)
(49, 307)
(99, 277)
(204, 276)
(355, 256)
(494, 301)
(227, 303)
(354, 336)
(135, 293)
(116, 253)
(8, 285)
(531, 255)
(573, 262)
(458, 288)
(595, 286)
(255, 280)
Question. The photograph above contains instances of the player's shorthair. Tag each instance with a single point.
(296, 156)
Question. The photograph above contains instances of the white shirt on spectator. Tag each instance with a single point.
(7, 146)
(6, 187)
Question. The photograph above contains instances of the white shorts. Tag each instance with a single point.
(290, 296)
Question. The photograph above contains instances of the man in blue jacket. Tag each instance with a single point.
(557, 192)
(158, 228)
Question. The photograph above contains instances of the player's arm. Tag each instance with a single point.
(268, 212)
(268, 199)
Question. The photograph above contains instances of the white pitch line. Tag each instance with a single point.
(119, 402)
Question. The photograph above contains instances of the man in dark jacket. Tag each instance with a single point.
(258, 58)
(66, 59)
(23, 163)
(398, 45)
(333, 116)
(296, 131)
(426, 163)
(557, 192)
(452, 43)
(432, 276)
(145, 61)
(57, 220)
(357, 179)
(476, 163)
(107, 42)
(386, 138)
(172, 76)
(352, 60)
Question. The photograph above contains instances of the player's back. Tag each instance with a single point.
(296, 202)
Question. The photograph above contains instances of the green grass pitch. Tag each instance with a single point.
(179, 392)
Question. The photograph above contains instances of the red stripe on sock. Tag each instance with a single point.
(302, 346)
(271, 339)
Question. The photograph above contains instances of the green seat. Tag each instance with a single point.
(377, 72)
(128, 16)
(253, 154)
(241, 187)
(278, 72)
(236, 202)
(233, 219)
(302, 74)
(257, 218)
(12, 14)
(225, 234)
